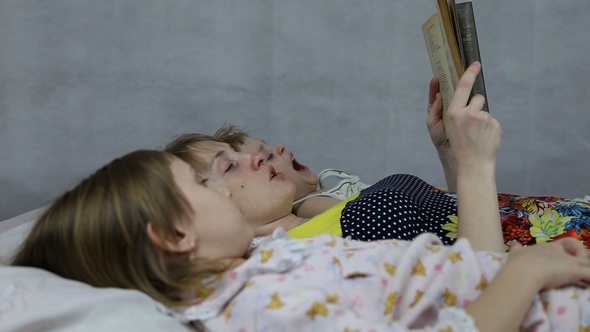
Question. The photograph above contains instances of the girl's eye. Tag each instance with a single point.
(270, 156)
(230, 167)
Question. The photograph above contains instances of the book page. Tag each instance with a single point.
(452, 9)
(440, 58)
(449, 33)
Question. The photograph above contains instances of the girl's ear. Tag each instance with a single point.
(182, 242)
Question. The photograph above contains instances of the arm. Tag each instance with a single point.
(313, 206)
(436, 129)
(474, 138)
(546, 266)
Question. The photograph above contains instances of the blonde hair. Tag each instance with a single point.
(189, 147)
(232, 135)
(96, 233)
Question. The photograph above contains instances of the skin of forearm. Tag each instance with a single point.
(478, 211)
(450, 169)
(314, 206)
(504, 303)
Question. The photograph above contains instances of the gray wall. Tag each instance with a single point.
(342, 82)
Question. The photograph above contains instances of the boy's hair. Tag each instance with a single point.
(96, 233)
(232, 135)
(188, 146)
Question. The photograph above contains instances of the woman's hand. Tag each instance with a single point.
(436, 130)
(505, 302)
(551, 265)
(434, 120)
(474, 136)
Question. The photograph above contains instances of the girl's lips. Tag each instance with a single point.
(275, 175)
(278, 176)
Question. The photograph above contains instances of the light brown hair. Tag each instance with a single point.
(232, 135)
(96, 233)
(188, 146)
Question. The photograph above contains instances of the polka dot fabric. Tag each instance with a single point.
(400, 206)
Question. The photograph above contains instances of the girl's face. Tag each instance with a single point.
(218, 227)
(262, 193)
(284, 161)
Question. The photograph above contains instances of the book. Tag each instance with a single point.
(451, 40)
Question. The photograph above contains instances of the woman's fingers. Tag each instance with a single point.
(574, 247)
(463, 90)
(515, 244)
(477, 102)
(560, 263)
(433, 89)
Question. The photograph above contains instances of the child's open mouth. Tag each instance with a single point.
(298, 167)
(274, 174)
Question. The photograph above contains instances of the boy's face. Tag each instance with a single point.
(284, 161)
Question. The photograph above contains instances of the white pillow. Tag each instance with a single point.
(13, 231)
(36, 300)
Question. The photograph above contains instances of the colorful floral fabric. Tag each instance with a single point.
(538, 219)
(532, 220)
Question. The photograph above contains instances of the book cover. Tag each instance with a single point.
(470, 45)
(452, 44)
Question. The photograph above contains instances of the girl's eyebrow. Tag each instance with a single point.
(217, 155)
(205, 179)
(197, 177)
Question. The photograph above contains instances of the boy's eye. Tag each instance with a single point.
(230, 167)
(270, 156)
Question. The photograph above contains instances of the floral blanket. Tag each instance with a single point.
(541, 219)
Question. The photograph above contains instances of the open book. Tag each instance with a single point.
(451, 40)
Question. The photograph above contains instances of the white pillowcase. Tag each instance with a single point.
(36, 300)
(13, 231)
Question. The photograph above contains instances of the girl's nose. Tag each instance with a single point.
(257, 159)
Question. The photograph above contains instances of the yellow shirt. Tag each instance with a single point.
(326, 222)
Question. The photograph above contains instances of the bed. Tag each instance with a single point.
(36, 300)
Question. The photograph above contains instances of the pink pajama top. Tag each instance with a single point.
(328, 283)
